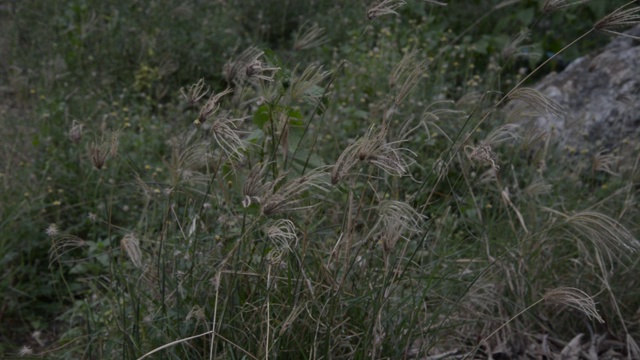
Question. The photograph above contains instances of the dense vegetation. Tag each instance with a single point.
(302, 179)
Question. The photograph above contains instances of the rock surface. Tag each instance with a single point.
(600, 94)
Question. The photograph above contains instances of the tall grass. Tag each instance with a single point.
(280, 207)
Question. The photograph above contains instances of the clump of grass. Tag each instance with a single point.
(242, 241)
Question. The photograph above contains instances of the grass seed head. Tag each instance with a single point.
(574, 298)
(247, 67)
(131, 245)
(282, 233)
(551, 6)
(195, 93)
(211, 106)
(396, 220)
(75, 133)
(98, 154)
(619, 18)
(406, 74)
(309, 37)
(288, 196)
(385, 7)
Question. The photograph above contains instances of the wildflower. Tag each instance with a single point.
(52, 230)
(25, 351)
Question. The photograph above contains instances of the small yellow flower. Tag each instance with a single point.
(57, 203)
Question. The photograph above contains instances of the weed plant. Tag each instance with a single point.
(359, 190)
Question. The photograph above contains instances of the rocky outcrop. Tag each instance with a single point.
(600, 94)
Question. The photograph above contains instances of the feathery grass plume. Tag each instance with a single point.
(287, 196)
(537, 187)
(226, 135)
(248, 67)
(482, 153)
(551, 6)
(604, 163)
(195, 93)
(439, 3)
(604, 232)
(305, 87)
(502, 134)
(407, 73)
(385, 7)
(374, 149)
(515, 50)
(532, 137)
(538, 101)
(186, 157)
(211, 106)
(63, 244)
(131, 245)
(620, 17)
(396, 219)
(282, 233)
(75, 133)
(114, 143)
(309, 37)
(574, 298)
(254, 186)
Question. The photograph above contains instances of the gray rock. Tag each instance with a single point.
(600, 94)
